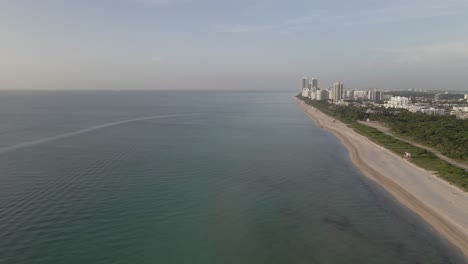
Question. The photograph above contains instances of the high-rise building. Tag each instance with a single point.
(314, 83)
(305, 83)
(371, 94)
(313, 95)
(349, 93)
(337, 92)
(360, 94)
(322, 95)
(379, 95)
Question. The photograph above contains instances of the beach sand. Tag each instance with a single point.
(441, 205)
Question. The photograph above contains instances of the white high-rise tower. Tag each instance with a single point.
(337, 91)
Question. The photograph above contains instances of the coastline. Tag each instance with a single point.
(441, 205)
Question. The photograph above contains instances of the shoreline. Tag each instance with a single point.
(443, 206)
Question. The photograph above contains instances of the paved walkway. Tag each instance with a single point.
(387, 131)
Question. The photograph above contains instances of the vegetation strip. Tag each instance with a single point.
(421, 157)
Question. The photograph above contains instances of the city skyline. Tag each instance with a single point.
(187, 44)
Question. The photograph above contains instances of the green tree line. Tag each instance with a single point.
(444, 133)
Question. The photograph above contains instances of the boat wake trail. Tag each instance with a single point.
(83, 131)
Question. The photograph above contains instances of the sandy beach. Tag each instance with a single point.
(443, 206)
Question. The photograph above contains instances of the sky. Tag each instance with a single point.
(228, 45)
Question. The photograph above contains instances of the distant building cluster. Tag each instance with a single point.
(460, 111)
(398, 102)
(447, 97)
(401, 102)
(441, 104)
(337, 94)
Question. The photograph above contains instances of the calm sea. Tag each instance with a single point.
(215, 177)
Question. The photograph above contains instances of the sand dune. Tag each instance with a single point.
(440, 204)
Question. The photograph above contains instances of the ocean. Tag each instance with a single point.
(190, 177)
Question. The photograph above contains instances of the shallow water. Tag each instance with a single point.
(248, 180)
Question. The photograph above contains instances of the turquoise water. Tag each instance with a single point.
(245, 178)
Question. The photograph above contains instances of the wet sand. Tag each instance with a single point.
(443, 206)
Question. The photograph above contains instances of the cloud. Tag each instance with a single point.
(400, 12)
(318, 15)
(241, 28)
(436, 53)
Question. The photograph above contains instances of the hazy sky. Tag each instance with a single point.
(241, 44)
